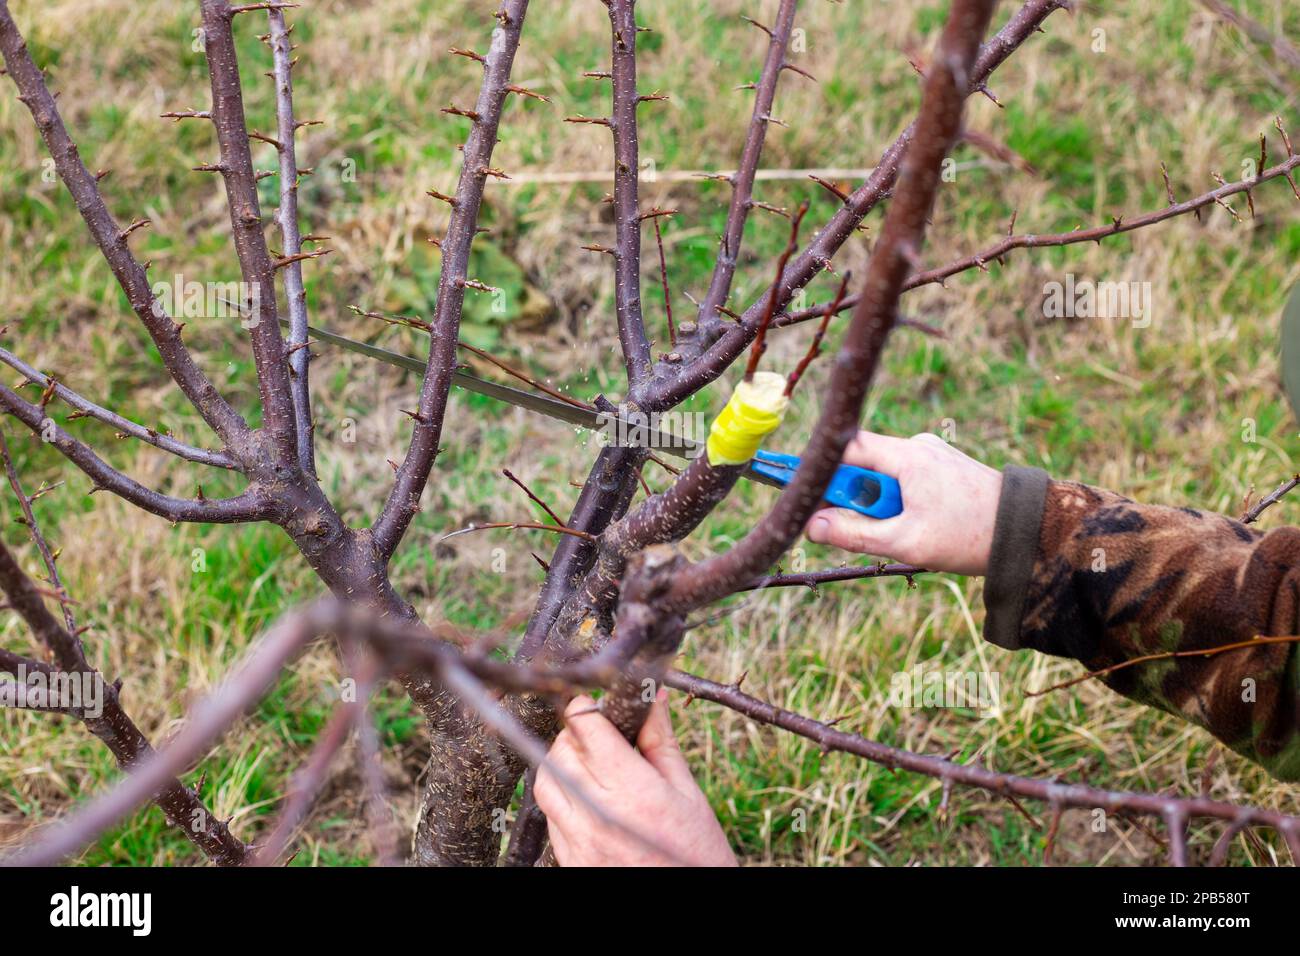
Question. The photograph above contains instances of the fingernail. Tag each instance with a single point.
(818, 529)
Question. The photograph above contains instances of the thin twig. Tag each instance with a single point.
(87, 408)
(1252, 513)
(663, 278)
(742, 181)
(760, 337)
(287, 216)
(1165, 656)
(536, 500)
(521, 525)
(814, 347)
(403, 501)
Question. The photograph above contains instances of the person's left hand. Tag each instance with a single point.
(651, 792)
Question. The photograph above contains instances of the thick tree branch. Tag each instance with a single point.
(153, 770)
(1117, 226)
(287, 216)
(86, 408)
(627, 173)
(690, 378)
(404, 500)
(900, 242)
(182, 806)
(236, 167)
(605, 496)
(108, 235)
(252, 505)
(742, 181)
(662, 518)
(1175, 811)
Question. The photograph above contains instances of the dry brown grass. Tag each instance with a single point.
(1156, 413)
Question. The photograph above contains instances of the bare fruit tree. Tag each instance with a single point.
(618, 596)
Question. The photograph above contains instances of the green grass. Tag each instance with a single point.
(1156, 414)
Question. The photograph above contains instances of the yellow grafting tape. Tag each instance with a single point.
(754, 412)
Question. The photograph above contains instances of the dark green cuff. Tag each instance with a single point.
(1015, 548)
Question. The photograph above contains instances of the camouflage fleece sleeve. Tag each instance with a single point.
(1083, 573)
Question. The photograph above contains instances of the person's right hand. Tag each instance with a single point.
(950, 505)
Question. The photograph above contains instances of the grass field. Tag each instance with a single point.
(1185, 411)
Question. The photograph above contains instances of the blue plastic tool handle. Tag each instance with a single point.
(867, 492)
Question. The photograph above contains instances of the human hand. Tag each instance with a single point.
(651, 792)
(950, 505)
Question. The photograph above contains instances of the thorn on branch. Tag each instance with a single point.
(1286, 140)
(48, 393)
(521, 91)
(138, 224)
(262, 137)
(1221, 202)
(983, 88)
(250, 7)
(814, 349)
(443, 197)
(787, 65)
(594, 120)
(830, 187)
(469, 54)
(532, 496)
(655, 213)
(179, 115)
(410, 321)
(767, 207)
(1169, 190)
(457, 111)
(760, 338)
(299, 257)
